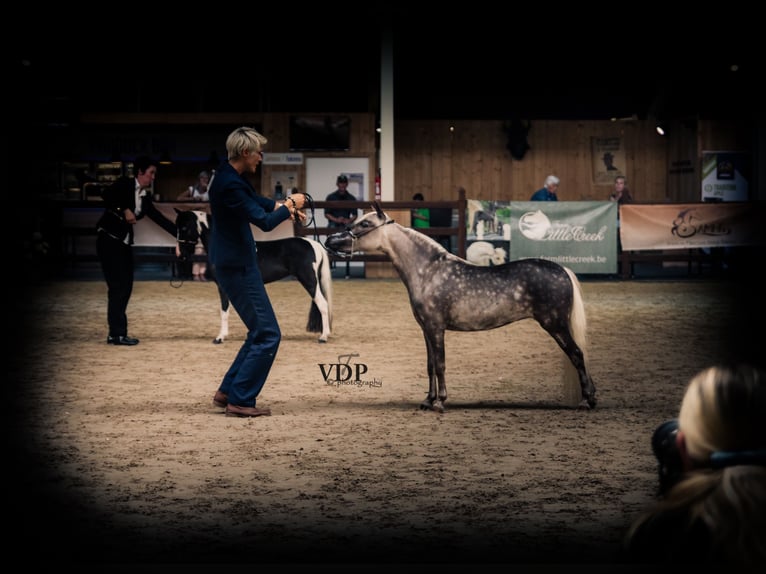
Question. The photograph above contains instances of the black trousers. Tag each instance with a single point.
(117, 266)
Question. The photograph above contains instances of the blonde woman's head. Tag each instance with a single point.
(723, 410)
(243, 140)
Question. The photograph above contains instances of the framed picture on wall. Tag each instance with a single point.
(608, 159)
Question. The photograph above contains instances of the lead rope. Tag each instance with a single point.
(310, 220)
(178, 282)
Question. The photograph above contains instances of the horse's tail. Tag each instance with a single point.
(324, 283)
(578, 325)
(325, 280)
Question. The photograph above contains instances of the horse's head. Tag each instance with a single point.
(360, 236)
(190, 226)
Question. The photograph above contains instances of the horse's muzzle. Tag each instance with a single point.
(339, 244)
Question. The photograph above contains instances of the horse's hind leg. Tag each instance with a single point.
(586, 386)
(576, 356)
(319, 314)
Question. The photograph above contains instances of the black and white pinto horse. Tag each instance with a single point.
(300, 257)
(449, 293)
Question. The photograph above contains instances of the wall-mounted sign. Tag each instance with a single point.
(282, 158)
(725, 176)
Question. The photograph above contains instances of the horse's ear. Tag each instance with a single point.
(378, 209)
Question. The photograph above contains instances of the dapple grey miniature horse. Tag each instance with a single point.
(449, 293)
(301, 257)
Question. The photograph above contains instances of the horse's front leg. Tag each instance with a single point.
(224, 329)
(437, 387)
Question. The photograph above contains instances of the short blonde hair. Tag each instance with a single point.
(244, 139)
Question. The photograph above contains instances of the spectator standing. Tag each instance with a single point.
(198, 191)
(341, 217)
(421, 216)
(621, 193)
(548, 191)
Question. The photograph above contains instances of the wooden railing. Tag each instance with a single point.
(391, 207)
(695, 259)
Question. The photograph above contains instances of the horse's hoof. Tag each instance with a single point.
(217, 341)
(584, 405)
(322, 340)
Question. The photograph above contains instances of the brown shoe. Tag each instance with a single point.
(220, 399)
(237, 411)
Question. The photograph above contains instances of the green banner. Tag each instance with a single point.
(581, 235)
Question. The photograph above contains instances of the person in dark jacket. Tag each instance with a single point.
(126, 201)
(548, 191)
(234, 206)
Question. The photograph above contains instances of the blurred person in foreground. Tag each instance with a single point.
(712, 475)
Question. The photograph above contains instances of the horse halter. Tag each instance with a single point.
(188, 241)
(191, 242)
(356, 236)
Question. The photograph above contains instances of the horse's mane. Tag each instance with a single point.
(424, 242)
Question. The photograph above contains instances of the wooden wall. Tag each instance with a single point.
(208, 132)
(436, 157)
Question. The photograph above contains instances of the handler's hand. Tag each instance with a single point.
(299, 199)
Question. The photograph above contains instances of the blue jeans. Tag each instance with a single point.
(247, 293)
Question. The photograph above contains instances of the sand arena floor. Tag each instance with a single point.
(124, 460)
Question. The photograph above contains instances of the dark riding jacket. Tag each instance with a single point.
(234, 205)
(118, 197)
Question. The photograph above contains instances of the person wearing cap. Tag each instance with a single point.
(340, 217)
